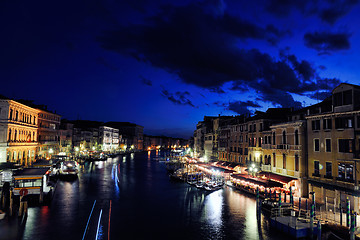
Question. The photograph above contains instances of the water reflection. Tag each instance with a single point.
(214, 205)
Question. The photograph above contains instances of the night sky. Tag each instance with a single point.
(166, 64)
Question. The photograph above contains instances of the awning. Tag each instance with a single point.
(257, 180)
(277, 178)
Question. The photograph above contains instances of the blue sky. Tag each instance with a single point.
(164, 65)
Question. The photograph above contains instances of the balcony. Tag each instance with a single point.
(267, 146)
(283, 146)
(296, 147)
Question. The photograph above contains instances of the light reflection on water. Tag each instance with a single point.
(164, 209)
(214, 205)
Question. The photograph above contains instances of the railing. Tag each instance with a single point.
(284, 171)
(267, 146)
(283, 146)
(296, 147)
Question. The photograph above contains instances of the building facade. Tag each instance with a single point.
(334, 147)
(48, 134)
(18, 132)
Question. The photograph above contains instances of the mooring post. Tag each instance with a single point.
(352, 227)
(312, 220)
(348, 216)
(319, 230)
(280, 199)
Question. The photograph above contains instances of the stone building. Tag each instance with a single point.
(132, 132)
(334, 147)
(48, 134)
(18, 132)
(108, 138)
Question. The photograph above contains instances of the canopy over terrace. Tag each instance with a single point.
(213, 170)
(267, 183)
(276, 178)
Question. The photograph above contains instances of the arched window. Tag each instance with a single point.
(296, 137)
(261, 159)
(9, 138)
(274, 142)
(284, 161)
(284, 137)
(274, 159)
(15, 137)
(269, 160)
(11, 114)
(250, 157)
(297, 162)
(17, 116)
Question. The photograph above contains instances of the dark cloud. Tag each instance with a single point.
(146, 81)
(319, 95)
(283, 8)
(180, 98)
(217, 90)
(303, 69)
(327, 41)
(336, 10)
(220, 104)
(242, 107)
(201, 47)
(328, 11)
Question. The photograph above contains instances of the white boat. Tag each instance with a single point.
(2, 215)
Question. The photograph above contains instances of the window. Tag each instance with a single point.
(327, 145)
(328, 170)
(316, 168)
(269, 139)
(269, 160)
(346, 145)
(315, 125)
(343, 122)
(274, 138)
(297, 162)
(284, 161)
(283, 137)
(343, 98)
(327, 124)
(296, 137)
(254, 127)
(345, 171)
(274, 159)
(250, 130)
(316, 145)
(261, 127)
(260, 141)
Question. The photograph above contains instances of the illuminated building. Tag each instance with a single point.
(18, 132)
(48, 133)
(334, 147)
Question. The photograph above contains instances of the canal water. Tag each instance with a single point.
(131, 197)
